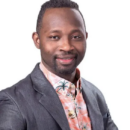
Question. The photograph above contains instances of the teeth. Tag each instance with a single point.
(67, 58)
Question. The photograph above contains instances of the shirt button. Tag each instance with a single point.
(71, 114)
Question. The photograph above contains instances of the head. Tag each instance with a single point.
(61, 36)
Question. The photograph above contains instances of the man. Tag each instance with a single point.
(54, 96)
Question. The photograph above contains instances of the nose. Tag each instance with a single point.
(66, 45)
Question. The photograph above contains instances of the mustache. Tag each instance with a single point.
(64, 54)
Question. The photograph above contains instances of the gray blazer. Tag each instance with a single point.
(32, 104)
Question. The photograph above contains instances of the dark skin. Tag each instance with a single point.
(62, 41)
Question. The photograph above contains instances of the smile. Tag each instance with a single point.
(65, 61)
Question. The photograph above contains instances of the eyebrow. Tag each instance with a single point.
(76, 30)
(55, 31)
(58, 31)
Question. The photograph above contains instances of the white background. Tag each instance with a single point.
(107, 61)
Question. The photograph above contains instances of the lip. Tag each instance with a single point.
(65, 60)
(65, 57)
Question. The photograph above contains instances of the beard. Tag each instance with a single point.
(64, 70)
(61, 69)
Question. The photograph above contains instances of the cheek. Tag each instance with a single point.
(48, 46)
(45, 48)
(47, 52)
(81, 48)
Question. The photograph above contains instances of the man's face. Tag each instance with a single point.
(62, 40)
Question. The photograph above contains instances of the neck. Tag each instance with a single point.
(70, 77)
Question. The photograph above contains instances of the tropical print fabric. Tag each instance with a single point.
(71, 98)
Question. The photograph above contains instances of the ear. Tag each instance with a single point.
(86, 35)
(36, 40)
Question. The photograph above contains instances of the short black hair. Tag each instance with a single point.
(55, 4)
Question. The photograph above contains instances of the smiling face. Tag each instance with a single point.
(61, 40)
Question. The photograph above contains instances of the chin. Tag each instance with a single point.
(65, 71)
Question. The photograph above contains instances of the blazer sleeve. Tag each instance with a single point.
(108, 122)
(110, 125)
(10, 116)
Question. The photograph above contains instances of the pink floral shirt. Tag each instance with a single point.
(71, 98)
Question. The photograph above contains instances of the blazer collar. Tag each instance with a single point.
(93, 108)
(49, 100)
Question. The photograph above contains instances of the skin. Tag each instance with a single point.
(62, 41)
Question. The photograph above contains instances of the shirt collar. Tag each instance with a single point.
(54, 79)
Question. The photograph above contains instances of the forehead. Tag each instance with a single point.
(62, 17)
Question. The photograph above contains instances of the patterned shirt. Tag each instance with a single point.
(71, 98)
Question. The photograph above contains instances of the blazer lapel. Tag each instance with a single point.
(93, 108)
(49, 100)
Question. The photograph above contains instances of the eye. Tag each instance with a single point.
(54, 37)
(76, 37)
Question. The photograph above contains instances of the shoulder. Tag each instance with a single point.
(91, 87)
(12, 98)
(16, 94)
(10, 112)
(19, 87)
